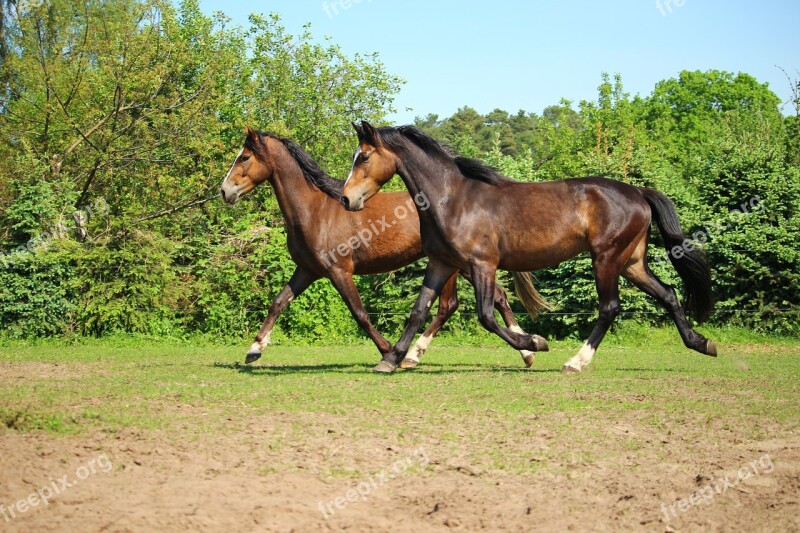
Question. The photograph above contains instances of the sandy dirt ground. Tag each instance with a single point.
(285, 471)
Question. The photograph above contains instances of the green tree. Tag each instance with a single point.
(141, 103)
(312, 91)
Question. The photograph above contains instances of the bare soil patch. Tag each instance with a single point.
(284, 472)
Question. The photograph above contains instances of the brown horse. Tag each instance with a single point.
(480, 221)
(327, 242)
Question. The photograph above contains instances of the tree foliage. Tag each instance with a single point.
(118, 120)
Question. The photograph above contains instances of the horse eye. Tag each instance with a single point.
(364, 157)
(245, 158)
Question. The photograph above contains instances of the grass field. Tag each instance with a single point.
(198, 440)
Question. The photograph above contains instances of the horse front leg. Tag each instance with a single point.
(483, 280)
(436, 275)
(300, 281)
(504, 308)
(448, 303)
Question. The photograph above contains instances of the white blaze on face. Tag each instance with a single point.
(353, 166)
(235, 159)
(229, 188)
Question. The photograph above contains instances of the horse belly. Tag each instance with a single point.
(539, 257)
(534, 242)
(388, 251)
(378, 264)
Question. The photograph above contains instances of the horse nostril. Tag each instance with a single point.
(222, 193)
(346, 202)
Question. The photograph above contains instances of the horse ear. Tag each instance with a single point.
(253, 136)
(255, 142)
(358, 129)
(369, 133)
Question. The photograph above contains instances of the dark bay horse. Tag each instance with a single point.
(326, 241)
(479, 221)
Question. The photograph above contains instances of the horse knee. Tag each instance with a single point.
(417, 315)
(610, 310)
(451, 306)
(361, 316)
(487, 320)
(500, 297)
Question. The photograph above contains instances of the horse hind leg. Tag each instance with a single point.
(299, 282)
(343, 282)
(607, 282)
(639, 274)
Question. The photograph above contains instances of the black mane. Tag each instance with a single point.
(471, 168)
(311, 170)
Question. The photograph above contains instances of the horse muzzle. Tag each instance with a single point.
(353, 205)
(230, 195)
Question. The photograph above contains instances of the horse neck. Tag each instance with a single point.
(300, 202)
(432, 177)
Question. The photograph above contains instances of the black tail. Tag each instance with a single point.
(691, 265)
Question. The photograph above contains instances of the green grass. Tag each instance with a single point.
(460, 394)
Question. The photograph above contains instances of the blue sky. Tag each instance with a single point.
(529, 54)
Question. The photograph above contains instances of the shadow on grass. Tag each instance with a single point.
(364, 368)
(651, 370)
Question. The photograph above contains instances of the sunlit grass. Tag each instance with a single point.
(648, 379)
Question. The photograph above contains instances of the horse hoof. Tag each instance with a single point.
(528, 358)
(252, 356)
(711, 348)
(570, 370)
(385, 367)
(541, 344)
(408, 364)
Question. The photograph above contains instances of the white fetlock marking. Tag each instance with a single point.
(419, 348)
(413, 354)
(582, 359)
(525, 353)
(259, 346)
